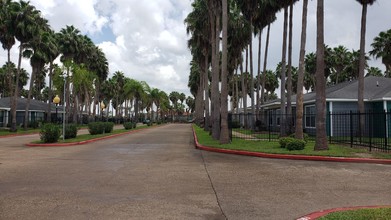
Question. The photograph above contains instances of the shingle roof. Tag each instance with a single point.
(375, 88)
(35, 105)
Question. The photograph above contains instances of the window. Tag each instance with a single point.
(309, 116)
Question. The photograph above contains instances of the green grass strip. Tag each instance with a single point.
(273, 147)
(360, 214)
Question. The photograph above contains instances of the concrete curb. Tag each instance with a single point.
(289, 157)
(83, 142)
(318, 214)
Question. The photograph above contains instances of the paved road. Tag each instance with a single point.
(157, 174)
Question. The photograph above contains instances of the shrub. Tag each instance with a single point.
(128, 125)
(284, 141)
(50, 133)
(96, 128)
(108, 127)
(296, 144)
(134, 125)
(70, 131)
(305, 136)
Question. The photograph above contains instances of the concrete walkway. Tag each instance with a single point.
(157, 174)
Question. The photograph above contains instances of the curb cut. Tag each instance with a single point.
(82, 142)
(288, 156)
(318, 214)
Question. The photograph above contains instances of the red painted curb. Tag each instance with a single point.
(82, 142)
(318, 214)
(289, 156)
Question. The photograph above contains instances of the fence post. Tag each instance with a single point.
(351, 129)
(370, 130)
(269, 126)
(385, 130)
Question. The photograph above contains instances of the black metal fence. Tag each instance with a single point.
(371, 130)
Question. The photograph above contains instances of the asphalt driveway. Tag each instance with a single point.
(157, 174)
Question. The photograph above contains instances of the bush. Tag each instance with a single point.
(128, 125)
(70, 131)
(96, 128)
(108, 127)
(296, 144)
(284, 141)
(305, 136)
(50, 133)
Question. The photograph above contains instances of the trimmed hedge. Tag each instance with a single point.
(70, 131)
(296, 144)
(305, 136)
(284, 141)
(50, 133)
(100, 127)
(128, 125)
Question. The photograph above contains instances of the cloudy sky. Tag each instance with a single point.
(147, 39)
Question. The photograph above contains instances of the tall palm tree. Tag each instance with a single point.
(38, 58)
(283, 75)
(381, 48)
(321, 136)
(301, 73)
(69, 47)
(361, 107)
(224, 134)
(25, 30)
(7, 27)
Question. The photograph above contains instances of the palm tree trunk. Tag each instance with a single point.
(300, 77)
(50, 94)
(252, 83)
(244, 88)
(259, 72)
(216, 80)
(206, 92)
(14, 101)
(265, 65)
(283, 73)
(26, 111)
(321, 136)
(289, 75)
(361, 106)
(224, 135)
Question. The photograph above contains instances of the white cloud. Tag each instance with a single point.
(149, 40)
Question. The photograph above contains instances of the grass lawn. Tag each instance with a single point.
(4, 132)
(360, 214)
(85, 137)
(273, 147)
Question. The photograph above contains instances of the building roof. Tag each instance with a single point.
(35, 105)
(375, 89)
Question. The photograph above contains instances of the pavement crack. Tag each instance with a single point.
(213, 187)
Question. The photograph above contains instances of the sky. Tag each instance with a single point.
(147, 39)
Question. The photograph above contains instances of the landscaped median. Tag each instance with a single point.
(86, 138)
(268, 149)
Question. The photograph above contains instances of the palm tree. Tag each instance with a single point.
(381, 48)
(283, 75)
(224, 134)
(361, 107)
(301, 73)
(321, 136)
(25, 30)
(374, 71)
(69, 47)
(7, 27)
(38, 58)
(135, 89)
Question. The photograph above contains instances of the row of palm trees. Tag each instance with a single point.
(130, 97)
(234, 22)
(82, 71)
(21, 21)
